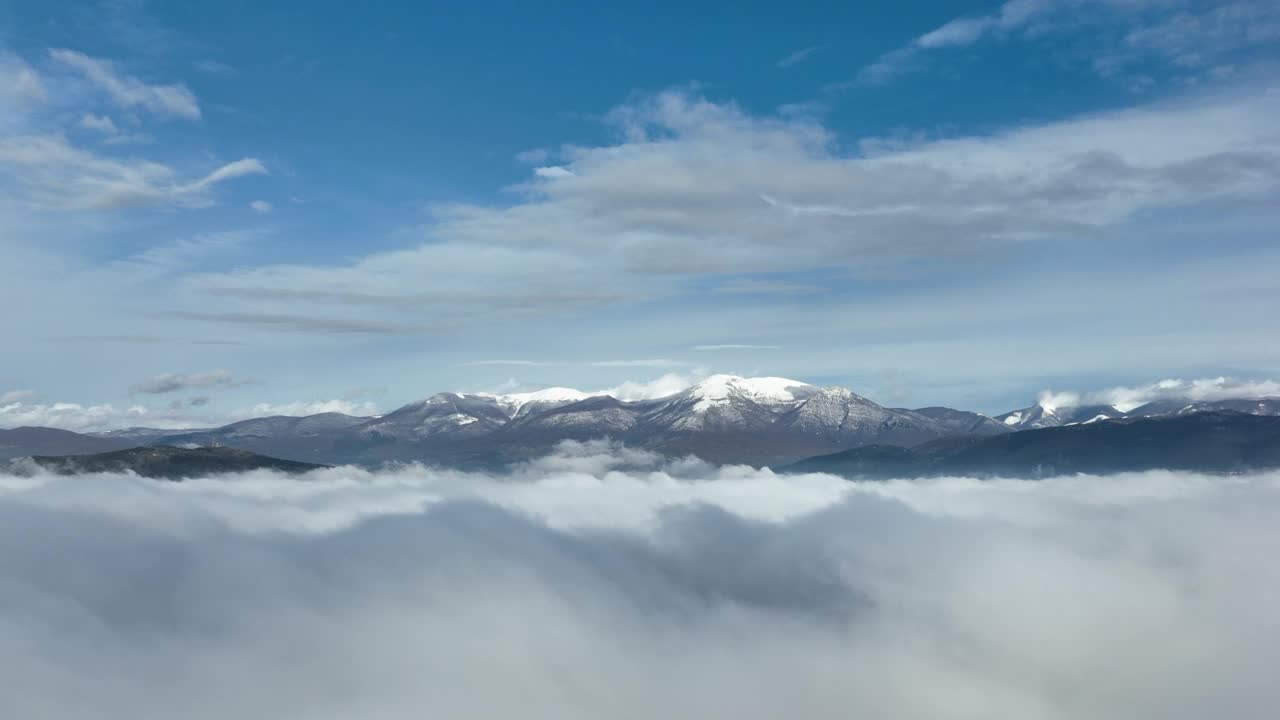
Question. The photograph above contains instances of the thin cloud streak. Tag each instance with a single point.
(128, 91)
(173, 382)
(798, 56)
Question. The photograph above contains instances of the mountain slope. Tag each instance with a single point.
(24, 441)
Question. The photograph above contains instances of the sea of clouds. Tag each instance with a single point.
(603, 582)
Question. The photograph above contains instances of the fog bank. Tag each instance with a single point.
(605, 582)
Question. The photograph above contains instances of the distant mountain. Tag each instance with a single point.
(724, 419)
(963, 422)
(24, 441)
(1042, 416)
(299, 438)
(1207, 442)
(171, 463)
(1252, 406)
(143, 435)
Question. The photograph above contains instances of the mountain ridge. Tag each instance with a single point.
(723, 419)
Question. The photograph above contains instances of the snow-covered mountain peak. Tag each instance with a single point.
(718, 389)
(544, 398)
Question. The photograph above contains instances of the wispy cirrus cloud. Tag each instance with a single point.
(127, 91)
(1184, 35)
(21, 87)
(699, 189)
(309, 323)
(798, 56)
(59, 175)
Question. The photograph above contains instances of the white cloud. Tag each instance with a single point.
(665, 386)
(239, 168)
(736, 347)
(77, 417)
(20, 86)
(680, 196)
(128, 91)
(173, 382)
(1051, 400)
(262, 207)
(61, 176)
(1202, 389)
(604, 583)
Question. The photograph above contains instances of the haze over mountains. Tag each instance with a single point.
(723, 419)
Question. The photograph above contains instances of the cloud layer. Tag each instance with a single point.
(1127, 398)
(702, 192)
(601, 582)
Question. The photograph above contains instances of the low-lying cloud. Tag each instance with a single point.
(603, 582)
(1127, 398)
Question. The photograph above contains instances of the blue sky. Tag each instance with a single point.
(238, 208)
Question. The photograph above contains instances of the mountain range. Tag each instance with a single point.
(724, 419)
(1221, 441)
